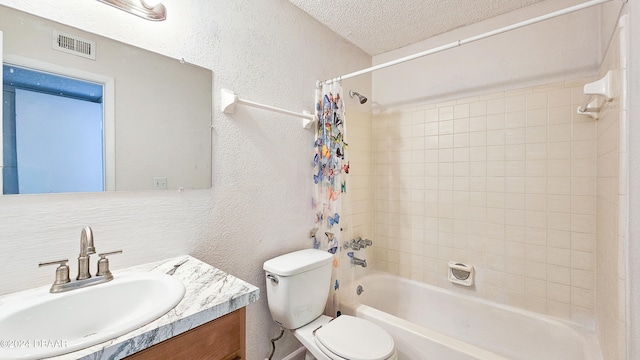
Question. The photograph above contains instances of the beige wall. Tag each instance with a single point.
(504, 182)
(612, 204)
(632, 255)
(566, 47)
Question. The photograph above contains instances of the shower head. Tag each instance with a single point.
(362, 98)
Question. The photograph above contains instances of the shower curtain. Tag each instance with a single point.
(331, 169)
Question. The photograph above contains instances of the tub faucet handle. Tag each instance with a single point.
(357, 243)
(353, 244)
(364, 242)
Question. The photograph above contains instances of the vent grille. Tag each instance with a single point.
(74, 45)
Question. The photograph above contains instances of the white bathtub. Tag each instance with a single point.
(431, 323)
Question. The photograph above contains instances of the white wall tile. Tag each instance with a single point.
(508, 184)
(516, 119)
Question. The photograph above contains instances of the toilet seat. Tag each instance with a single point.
(349, 337)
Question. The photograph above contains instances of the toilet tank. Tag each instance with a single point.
(298, 285)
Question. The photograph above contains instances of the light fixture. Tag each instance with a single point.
(149, 9)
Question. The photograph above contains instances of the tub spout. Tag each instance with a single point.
(360, 262)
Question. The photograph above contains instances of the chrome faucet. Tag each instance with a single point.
(360, 262)
(63, 283)
(357, 243)
(86, 249)
(364, 242)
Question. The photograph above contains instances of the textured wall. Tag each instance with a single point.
(259, 206)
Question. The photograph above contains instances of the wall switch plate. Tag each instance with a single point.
(159, 183)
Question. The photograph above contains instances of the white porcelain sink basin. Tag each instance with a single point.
(42, 324)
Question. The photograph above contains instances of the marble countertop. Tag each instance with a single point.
(210, 293)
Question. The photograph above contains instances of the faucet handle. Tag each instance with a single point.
(355, 244)
(56, 262)
(62, 272)
(364, 242)
(110, 253)
(103, 264)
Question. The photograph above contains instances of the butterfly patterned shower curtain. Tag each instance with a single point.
(331, 169)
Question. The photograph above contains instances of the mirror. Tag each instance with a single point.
(156, 111)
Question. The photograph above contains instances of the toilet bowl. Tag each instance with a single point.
(298, 286)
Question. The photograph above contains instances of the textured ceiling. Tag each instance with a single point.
(380, 26)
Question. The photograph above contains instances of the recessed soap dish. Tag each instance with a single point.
(460, 273)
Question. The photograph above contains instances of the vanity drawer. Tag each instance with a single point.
(220, 339)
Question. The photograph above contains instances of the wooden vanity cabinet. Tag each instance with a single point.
(219, 339)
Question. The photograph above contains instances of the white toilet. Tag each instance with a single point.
(298, 286)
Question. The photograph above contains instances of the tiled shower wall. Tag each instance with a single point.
(359, 203)
(505, 182)
(611, 207)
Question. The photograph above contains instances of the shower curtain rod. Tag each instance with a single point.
(469, 40)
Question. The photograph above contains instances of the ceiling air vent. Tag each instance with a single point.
(74, 45)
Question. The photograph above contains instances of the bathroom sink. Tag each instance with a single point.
(40, 324)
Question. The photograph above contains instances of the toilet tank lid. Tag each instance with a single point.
(297, 262)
